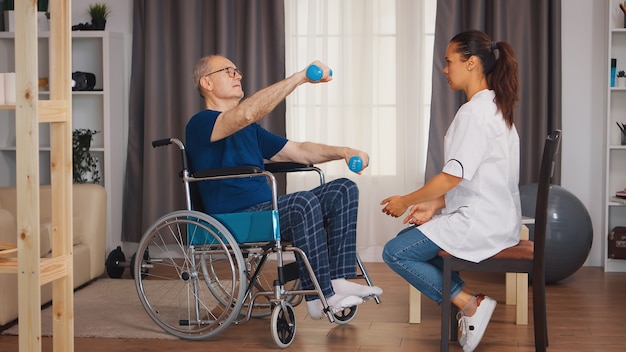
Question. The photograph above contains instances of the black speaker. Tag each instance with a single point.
(83, 80)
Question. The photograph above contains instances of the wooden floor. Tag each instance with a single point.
(586, 312)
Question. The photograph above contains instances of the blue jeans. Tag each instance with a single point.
(413, 256)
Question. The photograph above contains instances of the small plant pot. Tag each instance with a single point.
(99, 24)
(621, 82)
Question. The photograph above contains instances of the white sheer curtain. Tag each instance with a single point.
(379, 100)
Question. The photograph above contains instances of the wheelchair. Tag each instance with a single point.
(200, 273)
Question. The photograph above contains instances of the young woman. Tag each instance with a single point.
(477, 191)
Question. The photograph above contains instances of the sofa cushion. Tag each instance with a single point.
(8, 232)
(8, 229)
(79, 228)
(45, 236)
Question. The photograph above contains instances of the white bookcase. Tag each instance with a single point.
(103, 109)
(615, 151)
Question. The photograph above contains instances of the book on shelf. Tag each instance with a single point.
(617, 200)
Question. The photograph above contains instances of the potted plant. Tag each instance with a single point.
(42, 5)
(621, 78)
(84, 165)
(99, 13)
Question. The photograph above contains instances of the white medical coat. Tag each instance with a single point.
(482, 215)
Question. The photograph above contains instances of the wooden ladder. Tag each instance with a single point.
(33, 271)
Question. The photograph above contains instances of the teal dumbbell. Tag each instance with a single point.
(355, 164)
(315, 73)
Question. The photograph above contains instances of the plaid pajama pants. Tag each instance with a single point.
(322, 223)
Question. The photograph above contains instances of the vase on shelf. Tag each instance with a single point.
(9, 21)
(43, 22)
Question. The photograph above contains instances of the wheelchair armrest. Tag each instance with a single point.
(228, 171)
(275, 167)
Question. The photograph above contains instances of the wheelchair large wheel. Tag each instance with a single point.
(264, 282)
(283, 325)
(193, 281)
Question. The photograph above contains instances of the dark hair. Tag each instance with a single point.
(501, 72)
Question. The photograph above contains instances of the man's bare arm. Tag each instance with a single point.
(260, 104)
(315, 153)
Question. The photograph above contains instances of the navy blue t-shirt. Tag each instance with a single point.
(249, 146)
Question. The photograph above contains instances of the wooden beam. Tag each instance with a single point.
(8, 265)
(50, 268)
(27, 171)
(54, 268)
(53, 111)
(61, 174)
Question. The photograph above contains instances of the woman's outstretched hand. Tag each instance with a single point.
(394, 206)
(419, 214)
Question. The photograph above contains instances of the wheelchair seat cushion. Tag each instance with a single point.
(247, 227)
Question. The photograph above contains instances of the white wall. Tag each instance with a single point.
(584, 50)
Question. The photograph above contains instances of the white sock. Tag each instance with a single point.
(336, 302)
(346, 287)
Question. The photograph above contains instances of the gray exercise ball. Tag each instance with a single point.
(569, 232)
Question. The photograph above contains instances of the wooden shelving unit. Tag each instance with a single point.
(103, 109)
(614, 213)
(33, 271)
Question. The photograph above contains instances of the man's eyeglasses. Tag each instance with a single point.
(230, 70)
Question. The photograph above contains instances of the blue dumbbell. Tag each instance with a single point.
(315, 73)
(355, 164)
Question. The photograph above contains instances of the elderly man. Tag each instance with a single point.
(322, 221)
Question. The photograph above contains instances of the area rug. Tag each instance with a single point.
(106, 308)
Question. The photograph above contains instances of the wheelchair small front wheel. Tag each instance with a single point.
(346, 315)
(283, 325)
(265, 283)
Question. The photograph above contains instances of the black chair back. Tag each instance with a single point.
(546, 171)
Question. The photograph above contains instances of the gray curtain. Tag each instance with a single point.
(169, 36)
(533, 28)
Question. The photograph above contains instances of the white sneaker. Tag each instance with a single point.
(472, 328)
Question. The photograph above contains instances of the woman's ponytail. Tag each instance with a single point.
(500, 68)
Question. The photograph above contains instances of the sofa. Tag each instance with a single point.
(89, 237)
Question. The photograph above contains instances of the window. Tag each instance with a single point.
(381, 54)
